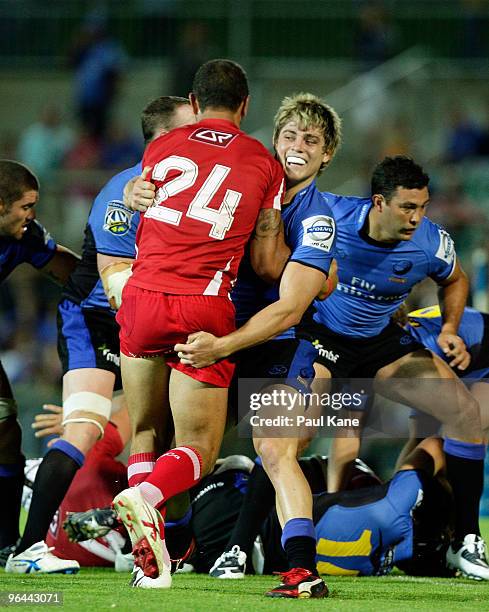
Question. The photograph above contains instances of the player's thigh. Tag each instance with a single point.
(199, 412)
(145, 384)
(480, 391)
(438, 390)
(88, 339)
(90, 380)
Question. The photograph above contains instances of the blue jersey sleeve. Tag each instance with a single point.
(441, 252)
(314, 234)
(114, 225)
(36, 246)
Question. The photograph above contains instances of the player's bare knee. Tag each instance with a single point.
(274, 453)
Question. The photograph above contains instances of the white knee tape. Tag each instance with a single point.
(8, 408)
(88, 402)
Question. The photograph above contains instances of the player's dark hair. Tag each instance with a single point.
(220, 83)
(158, 115)
(15, 180)
(398, 171)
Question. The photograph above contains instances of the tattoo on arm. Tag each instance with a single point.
(268, 224)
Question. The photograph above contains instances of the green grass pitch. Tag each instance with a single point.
(93, 590)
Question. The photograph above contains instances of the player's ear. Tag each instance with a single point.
(194, 103)
(378, 201)
(326, 159)
(3, 208)
(244, 107)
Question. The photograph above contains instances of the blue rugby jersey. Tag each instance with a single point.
(35, 247)
(375, 278)
(110, 230)
(367, 539)
(425, 325)
(310, 232)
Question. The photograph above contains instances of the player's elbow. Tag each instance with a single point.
(268, 271)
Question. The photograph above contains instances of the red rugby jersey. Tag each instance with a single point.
(212, 180)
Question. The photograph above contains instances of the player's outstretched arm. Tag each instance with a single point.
(268, 251)
(114, 272)
(299, 286)
(61, 265)
(454, 292)
(139, 193)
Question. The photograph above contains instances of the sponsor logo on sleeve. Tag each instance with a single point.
(319, 232)
(212, 137)
(446, 248)
(117, 218)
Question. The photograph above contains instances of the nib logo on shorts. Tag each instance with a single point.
(213, 137)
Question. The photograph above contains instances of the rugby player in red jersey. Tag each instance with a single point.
(215, 185)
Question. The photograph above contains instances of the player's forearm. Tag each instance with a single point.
(61, 265)
(454, 299)
(263, 326)
(268, 252)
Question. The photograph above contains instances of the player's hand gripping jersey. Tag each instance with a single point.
(212, 180)
(375, 278)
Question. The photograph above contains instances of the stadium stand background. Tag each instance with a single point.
(406, 77)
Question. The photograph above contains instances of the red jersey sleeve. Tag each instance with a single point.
(275, 194)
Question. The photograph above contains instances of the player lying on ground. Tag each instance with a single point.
(22, 239)
(360, 532)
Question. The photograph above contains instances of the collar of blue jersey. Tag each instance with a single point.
(301, 194)
(362, 223)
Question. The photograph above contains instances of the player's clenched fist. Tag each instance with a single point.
(139, 193)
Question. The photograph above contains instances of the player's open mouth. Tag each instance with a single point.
(292, 160)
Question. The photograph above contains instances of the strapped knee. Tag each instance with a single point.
(86, 401)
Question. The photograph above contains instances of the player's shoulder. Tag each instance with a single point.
(36, 233)
(346, 206)
(434, 240)
(114, 188)
(111, 195)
